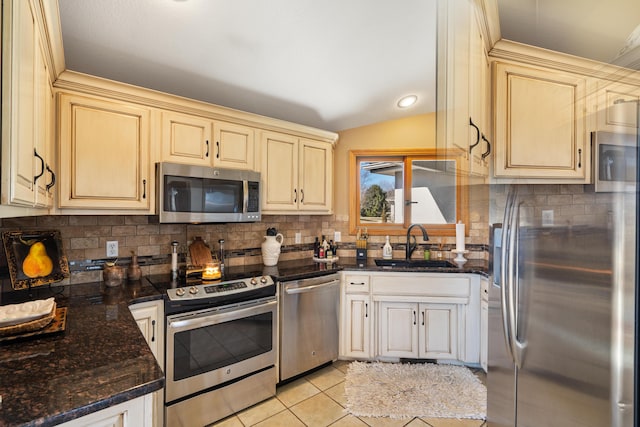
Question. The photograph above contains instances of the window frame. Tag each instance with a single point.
(406, 156)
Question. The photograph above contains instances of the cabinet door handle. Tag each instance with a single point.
(422, 313)
(35, 178)
(357, 283)
(153, 331)
(218, 148)
(207, 153)
(53, 179)
(144, 188)
(295, 195)
(486, 153)
(579, 157)
(415, 320)
(301, 195)
(366, 309)
(472, 146)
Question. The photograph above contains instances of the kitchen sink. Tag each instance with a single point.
(433, 263)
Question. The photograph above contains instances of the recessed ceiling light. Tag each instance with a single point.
(407, 101)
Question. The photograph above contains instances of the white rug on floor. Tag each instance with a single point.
(399, 390)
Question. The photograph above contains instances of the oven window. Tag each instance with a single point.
(205, 349)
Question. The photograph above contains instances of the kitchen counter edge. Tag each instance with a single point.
(63, 364)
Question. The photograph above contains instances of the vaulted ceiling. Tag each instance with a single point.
(332, 64)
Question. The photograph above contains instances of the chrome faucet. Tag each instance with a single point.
(412, 246)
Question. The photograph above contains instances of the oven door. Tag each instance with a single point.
(207, 348)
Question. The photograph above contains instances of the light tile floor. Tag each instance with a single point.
(318, 400)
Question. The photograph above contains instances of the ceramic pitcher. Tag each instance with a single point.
(271, 249)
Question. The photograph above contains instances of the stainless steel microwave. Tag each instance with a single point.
(200, 194)
(614, 161)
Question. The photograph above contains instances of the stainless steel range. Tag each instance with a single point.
(220, 348)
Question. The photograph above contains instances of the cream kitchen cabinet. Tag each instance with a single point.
(617, 104)
(418, 330)
(484, 323)
(27, 109)
(104, 154)
(234, 146)
(479, 99)
(540, 125)
(201, 141)
(296, 174)
(356, 340)
(463, 122)
(186, 139)
(150, 319)
(132, 413)
(426, 315)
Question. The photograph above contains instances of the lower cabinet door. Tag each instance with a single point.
(398, 329)
(438, 331)
(357, 332)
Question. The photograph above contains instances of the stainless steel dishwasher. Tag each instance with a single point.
(308, 323)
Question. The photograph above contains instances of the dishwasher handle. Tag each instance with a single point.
(291, 290)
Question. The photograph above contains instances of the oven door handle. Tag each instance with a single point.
(209, 319)
(290, 290)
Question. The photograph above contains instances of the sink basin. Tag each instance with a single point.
(433, 263)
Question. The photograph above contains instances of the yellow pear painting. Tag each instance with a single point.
(37, 263)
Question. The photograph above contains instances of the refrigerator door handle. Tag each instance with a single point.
(517, 346)
(505, 272)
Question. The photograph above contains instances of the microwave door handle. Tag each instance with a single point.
(245, 196)
(174, 193)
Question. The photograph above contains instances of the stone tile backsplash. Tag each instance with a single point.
(84, 239)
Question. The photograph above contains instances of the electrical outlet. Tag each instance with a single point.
(112, 249)
(547, 218)
(337, 236)
(298, 237)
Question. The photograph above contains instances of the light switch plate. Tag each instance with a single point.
(337, 236)
(547, 218)
(298, 237)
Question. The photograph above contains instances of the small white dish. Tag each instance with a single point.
(14, 314)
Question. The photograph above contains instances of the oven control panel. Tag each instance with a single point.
(213, 290)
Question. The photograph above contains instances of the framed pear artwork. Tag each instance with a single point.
(35, 258)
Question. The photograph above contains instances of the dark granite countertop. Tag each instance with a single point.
(307, 268)
(100, 360)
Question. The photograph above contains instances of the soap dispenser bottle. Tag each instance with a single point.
(387, 251)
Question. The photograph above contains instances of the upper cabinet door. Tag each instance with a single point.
(540, 129)
(462, 83)
(316, 177)
(234, 146)
(104, 154)
(186, 139)
(26, 109)
(279, 173)
(479, 96)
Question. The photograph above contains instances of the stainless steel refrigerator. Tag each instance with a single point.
(562, 317)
